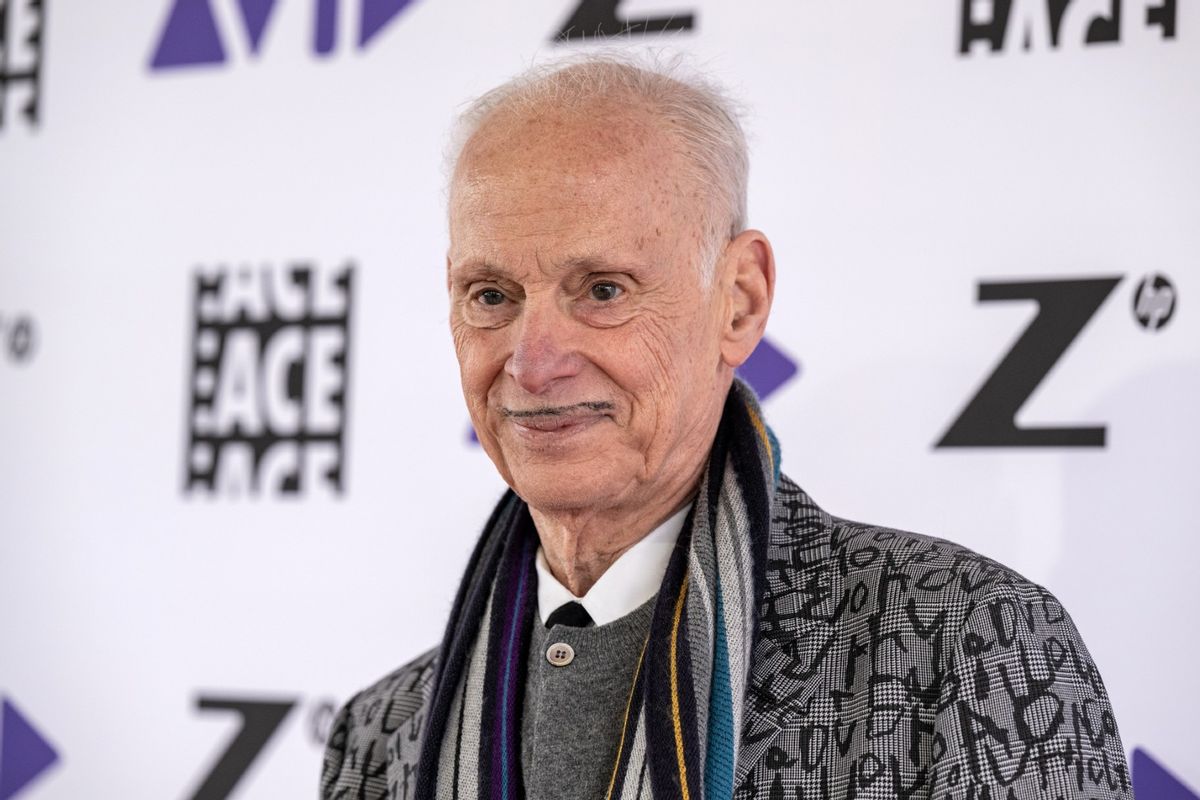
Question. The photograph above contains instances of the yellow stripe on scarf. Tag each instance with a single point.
(762, 433)
(625, 724)
(683, 785)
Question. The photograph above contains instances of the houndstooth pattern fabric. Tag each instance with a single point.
(888, 665)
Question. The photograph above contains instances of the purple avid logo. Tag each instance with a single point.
(190, 36)
(767, 369)
(1152, 781)
(24, 753)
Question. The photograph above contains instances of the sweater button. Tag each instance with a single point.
(560, 654)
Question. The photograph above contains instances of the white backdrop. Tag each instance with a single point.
(893, 172)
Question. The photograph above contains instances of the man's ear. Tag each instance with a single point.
(748, 282)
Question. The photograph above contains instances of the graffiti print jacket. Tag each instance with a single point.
(889, 665)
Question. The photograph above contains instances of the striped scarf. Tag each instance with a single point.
(680, 733)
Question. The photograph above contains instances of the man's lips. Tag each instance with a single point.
(557, 418)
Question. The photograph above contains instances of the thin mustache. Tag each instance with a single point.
(557, 411)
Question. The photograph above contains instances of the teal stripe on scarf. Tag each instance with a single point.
(719, 761)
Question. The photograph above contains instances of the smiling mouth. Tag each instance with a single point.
(557, 418)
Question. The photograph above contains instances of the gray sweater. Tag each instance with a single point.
(573, 713)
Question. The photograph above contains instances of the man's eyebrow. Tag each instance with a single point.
(475, 271)
(486, 270)
(589, 262)
(598, 263)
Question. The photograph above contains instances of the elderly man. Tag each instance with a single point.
(654, 610)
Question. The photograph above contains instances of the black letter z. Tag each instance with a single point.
(599, 18)
(259, 720)
(1065, 306)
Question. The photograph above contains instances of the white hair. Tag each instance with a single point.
(697, 111)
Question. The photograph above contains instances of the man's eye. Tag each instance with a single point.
(491, 297)
(605, 292)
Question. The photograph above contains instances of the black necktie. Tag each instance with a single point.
(571, 614)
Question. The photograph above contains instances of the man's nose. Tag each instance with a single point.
(545, 351)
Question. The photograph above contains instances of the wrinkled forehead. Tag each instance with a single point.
(571, 176)
(569, 149)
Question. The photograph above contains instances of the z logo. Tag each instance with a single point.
(260, 720)
(1065, 307)
(598, 19)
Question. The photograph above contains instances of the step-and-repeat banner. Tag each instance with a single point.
(237, 480)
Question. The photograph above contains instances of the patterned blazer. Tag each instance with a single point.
(890, 665)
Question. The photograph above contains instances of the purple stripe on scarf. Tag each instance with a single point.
(506, 729)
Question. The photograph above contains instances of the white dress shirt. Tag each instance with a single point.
(629, 582)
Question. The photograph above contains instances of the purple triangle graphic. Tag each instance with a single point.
(255, 14)
(376, 14)
(190, 37)
(24, 754)
(767, 369)
(1151, 781)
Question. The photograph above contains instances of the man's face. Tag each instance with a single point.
(586, 338)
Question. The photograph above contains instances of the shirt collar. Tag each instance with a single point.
(629, 582)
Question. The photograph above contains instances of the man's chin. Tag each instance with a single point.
(550, 489)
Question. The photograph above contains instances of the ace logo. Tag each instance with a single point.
(22, 39)
(1031, 25)
(268, 380)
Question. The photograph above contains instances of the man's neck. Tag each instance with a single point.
(581, 546)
